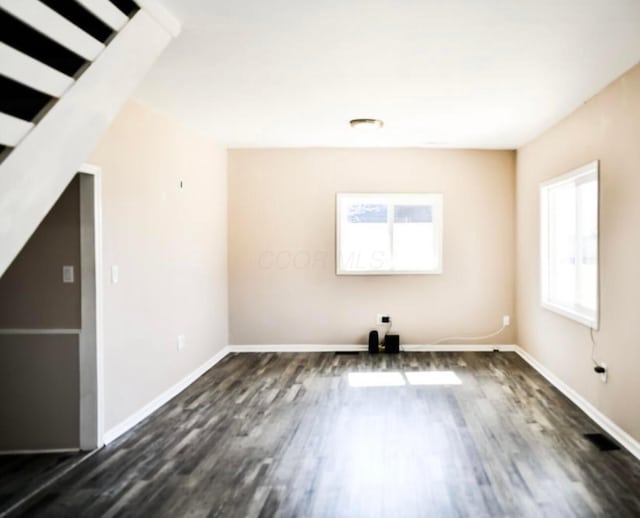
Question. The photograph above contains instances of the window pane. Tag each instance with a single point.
(367, 213)
(413, 238)
(364, 236)
(562, 267)
(413, 214)
(387, 233)
(413, 247)
(569, 245)
(588, 244)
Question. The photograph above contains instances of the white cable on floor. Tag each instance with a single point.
(465, 338)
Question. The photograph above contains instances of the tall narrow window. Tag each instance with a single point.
(389, 234)
(569, 244)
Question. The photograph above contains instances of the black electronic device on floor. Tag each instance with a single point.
(392, 344)
(373, 342)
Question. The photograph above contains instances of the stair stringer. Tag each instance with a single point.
(37, 171)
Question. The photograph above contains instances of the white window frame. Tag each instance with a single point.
(433, 199)
(585, 316)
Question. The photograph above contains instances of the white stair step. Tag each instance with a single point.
(12, 129)
(31, 72)
(107, 12)
(56, 27)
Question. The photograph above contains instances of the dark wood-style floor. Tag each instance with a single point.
(287, 435)
(20, 475)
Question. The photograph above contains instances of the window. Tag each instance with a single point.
(389, 234)
(569, 244)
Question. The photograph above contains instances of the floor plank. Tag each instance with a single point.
(286, 435)
(21, 475)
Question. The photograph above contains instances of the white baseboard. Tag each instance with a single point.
(605, 423)
(39, 451)
(457, 347)
(309, 348)
(295, 348)
(126, 425)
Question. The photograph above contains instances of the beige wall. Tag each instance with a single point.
(283, 286)
(606, 128)
(32, 294)
(170, 246)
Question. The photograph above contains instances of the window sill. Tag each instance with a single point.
(389, 272)
(584, 317)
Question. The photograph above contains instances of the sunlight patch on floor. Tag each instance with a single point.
(398, 379)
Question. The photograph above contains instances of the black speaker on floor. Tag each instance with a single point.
(392, 344)
(373, 342)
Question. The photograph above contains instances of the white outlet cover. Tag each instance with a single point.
(506, 320)
(182, 342)
(115, 274)
(603, 375)
(379, 318)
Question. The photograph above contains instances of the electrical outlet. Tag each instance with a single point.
(603, 375)
(506, 320)
(182, 342)
(383, 319)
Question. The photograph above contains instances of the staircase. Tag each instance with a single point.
(66, 69)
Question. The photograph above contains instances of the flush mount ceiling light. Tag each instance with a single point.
(366, 123)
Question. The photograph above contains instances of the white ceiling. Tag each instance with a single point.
(440, 73)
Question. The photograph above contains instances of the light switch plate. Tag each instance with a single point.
(115, 274)
(67, 275)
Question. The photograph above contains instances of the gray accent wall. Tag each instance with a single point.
(39, 370)
(32, 294)
(39, 392)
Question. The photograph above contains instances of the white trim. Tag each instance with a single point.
(573, 314)
(458, 348)
(90, 169)
(310, 348)
(584, 316)
(99, 341)
(592, 412)
(39, 451)
(31, 72)
(131, 421)
(107, 12)
(50, 23)
(13, 129)
(572, 175)
(90, 195)
(295, 348)
(40, 331)
(91, 336)
(162, 15)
